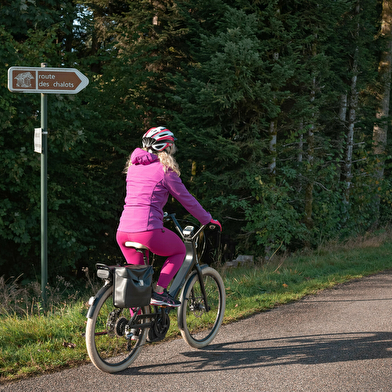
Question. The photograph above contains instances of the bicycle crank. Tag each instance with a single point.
(159, 326)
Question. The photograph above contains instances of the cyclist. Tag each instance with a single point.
(153, 174)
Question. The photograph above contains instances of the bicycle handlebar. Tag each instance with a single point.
(180, 229)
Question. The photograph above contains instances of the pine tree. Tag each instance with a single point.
(230, 108)
(380, 129)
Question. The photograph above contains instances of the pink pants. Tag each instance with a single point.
(162, 242)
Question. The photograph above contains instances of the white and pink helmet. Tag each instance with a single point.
(158, 139)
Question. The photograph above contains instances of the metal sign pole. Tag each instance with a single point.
(45, 80)
(44, 196)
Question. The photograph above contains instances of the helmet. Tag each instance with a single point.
(158, 139)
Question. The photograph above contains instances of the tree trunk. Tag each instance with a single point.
(310, 183)
(273, 133)
(300, 142)
(310, 156)
(347, 174)
(272, 150)
(342, 135)
(350, 132)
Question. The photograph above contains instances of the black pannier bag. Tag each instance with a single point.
(132, 286)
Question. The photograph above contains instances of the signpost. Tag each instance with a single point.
(45, 80)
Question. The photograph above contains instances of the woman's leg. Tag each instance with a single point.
(130, 254)
(162, 242)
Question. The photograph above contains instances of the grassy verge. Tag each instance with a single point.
(35, 343)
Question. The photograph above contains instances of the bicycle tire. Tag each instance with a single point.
(108, 351)
(197, 326)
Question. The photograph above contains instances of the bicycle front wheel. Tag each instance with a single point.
(199, 325)
(106, 344)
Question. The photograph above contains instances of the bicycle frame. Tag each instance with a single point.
(123, 337)
(191, 261)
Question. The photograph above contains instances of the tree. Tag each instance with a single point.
(380, 129)
(234, 94)
(272, 102)
(77, 203)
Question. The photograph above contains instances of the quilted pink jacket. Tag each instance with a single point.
(148, 188)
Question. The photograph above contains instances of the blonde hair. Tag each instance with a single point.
(165, 157)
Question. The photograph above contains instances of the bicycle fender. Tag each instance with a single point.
(94, 301)
(185, 288)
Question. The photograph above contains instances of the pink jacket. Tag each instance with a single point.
(148, 188)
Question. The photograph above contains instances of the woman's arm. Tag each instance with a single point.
(178, 190)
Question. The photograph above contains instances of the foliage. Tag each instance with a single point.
(252, 91)
(75, 183)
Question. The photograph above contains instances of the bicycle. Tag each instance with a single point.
(115, 336)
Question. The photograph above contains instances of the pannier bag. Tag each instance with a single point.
(132, 286)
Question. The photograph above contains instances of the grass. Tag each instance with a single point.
(33, 343)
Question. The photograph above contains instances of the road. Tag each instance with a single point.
(338, 340)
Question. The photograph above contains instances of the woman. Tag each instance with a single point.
(153, 174)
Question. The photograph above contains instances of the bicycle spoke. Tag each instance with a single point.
(199, 324)
(107, 344)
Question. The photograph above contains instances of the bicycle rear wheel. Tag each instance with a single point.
(198, 326)
(107, 346)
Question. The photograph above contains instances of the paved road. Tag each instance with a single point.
(339, 340)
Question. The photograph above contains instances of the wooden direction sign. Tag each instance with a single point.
(46, 80)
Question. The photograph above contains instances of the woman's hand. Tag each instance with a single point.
(216, 223)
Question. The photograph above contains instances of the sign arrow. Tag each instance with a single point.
(46, 80)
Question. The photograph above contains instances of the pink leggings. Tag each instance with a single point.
(162, 242)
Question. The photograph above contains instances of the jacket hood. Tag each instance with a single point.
(141, 157)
